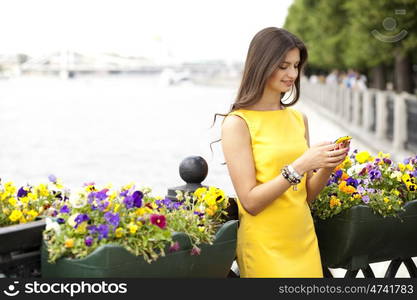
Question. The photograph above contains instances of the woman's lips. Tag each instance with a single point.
(288, 82)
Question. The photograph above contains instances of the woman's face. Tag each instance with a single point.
(284, 76)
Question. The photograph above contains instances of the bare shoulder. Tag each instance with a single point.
(234, 124)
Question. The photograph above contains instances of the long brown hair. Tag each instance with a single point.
(266, 52)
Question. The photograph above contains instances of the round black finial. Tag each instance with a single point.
(193, 169)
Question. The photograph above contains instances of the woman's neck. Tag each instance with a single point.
(270, 100)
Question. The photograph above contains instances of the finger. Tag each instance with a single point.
(337, 152)
(334, 164)
(337, 158)
(329, 147)
(321, 144)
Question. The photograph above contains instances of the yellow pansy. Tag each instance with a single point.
(200, 192)
(32, 196)
(396, 174)
(363, 157)
(132, 228)
(15, 215)
(32, 214)
(383, 155)
(13, 202)
(42, 190)
(116, 207)
(386, 200)
(113, 195)
(24, 200)
(405, 177)
(401, 166)
(119, 232)
(334, 201)
(82, 228)
(141, 211)
(9, 188)
(128, 186)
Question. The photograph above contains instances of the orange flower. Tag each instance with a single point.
(69, 243)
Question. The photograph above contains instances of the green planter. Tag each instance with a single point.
(115, 261)
(357, 237)
(20, 249)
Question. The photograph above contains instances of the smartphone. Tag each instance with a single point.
(343, 141)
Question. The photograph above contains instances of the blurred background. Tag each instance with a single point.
(122, 91)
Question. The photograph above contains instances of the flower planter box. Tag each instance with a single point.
(115, 261)
(357, 237)
(20, 248)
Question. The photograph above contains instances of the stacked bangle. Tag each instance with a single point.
(289, 173)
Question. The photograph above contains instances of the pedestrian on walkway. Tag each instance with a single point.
(266, 148)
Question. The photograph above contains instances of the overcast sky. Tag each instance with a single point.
(184, 29)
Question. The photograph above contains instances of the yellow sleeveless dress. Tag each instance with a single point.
(280, 241)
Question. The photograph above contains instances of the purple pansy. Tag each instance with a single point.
(64, 210)
(375, 174)
(103, 205)
(387, 161)
(52, 178)
(124, 193)
(112, 219)
(103, 231)
(200, 214)
(81, 218)
(88, 241)
(168, 203)
(60, 220)
(128, 202)
(361, 189)
(352, 181)
(365, 199)
(137, 198)
(22, 193)
(101, 195)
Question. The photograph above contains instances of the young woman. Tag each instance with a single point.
(266, 147)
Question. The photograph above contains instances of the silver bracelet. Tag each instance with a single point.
(294, 172)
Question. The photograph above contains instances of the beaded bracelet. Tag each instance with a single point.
(294, 172)
(290, 177)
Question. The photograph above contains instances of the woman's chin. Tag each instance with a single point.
(285, 88)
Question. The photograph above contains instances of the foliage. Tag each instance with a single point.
(376, 182)
(132, 218)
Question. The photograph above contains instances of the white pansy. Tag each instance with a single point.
(71, 220)
(51, 224)
(355, 169)
(78, 198)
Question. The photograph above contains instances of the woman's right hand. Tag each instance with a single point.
(322, 155)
